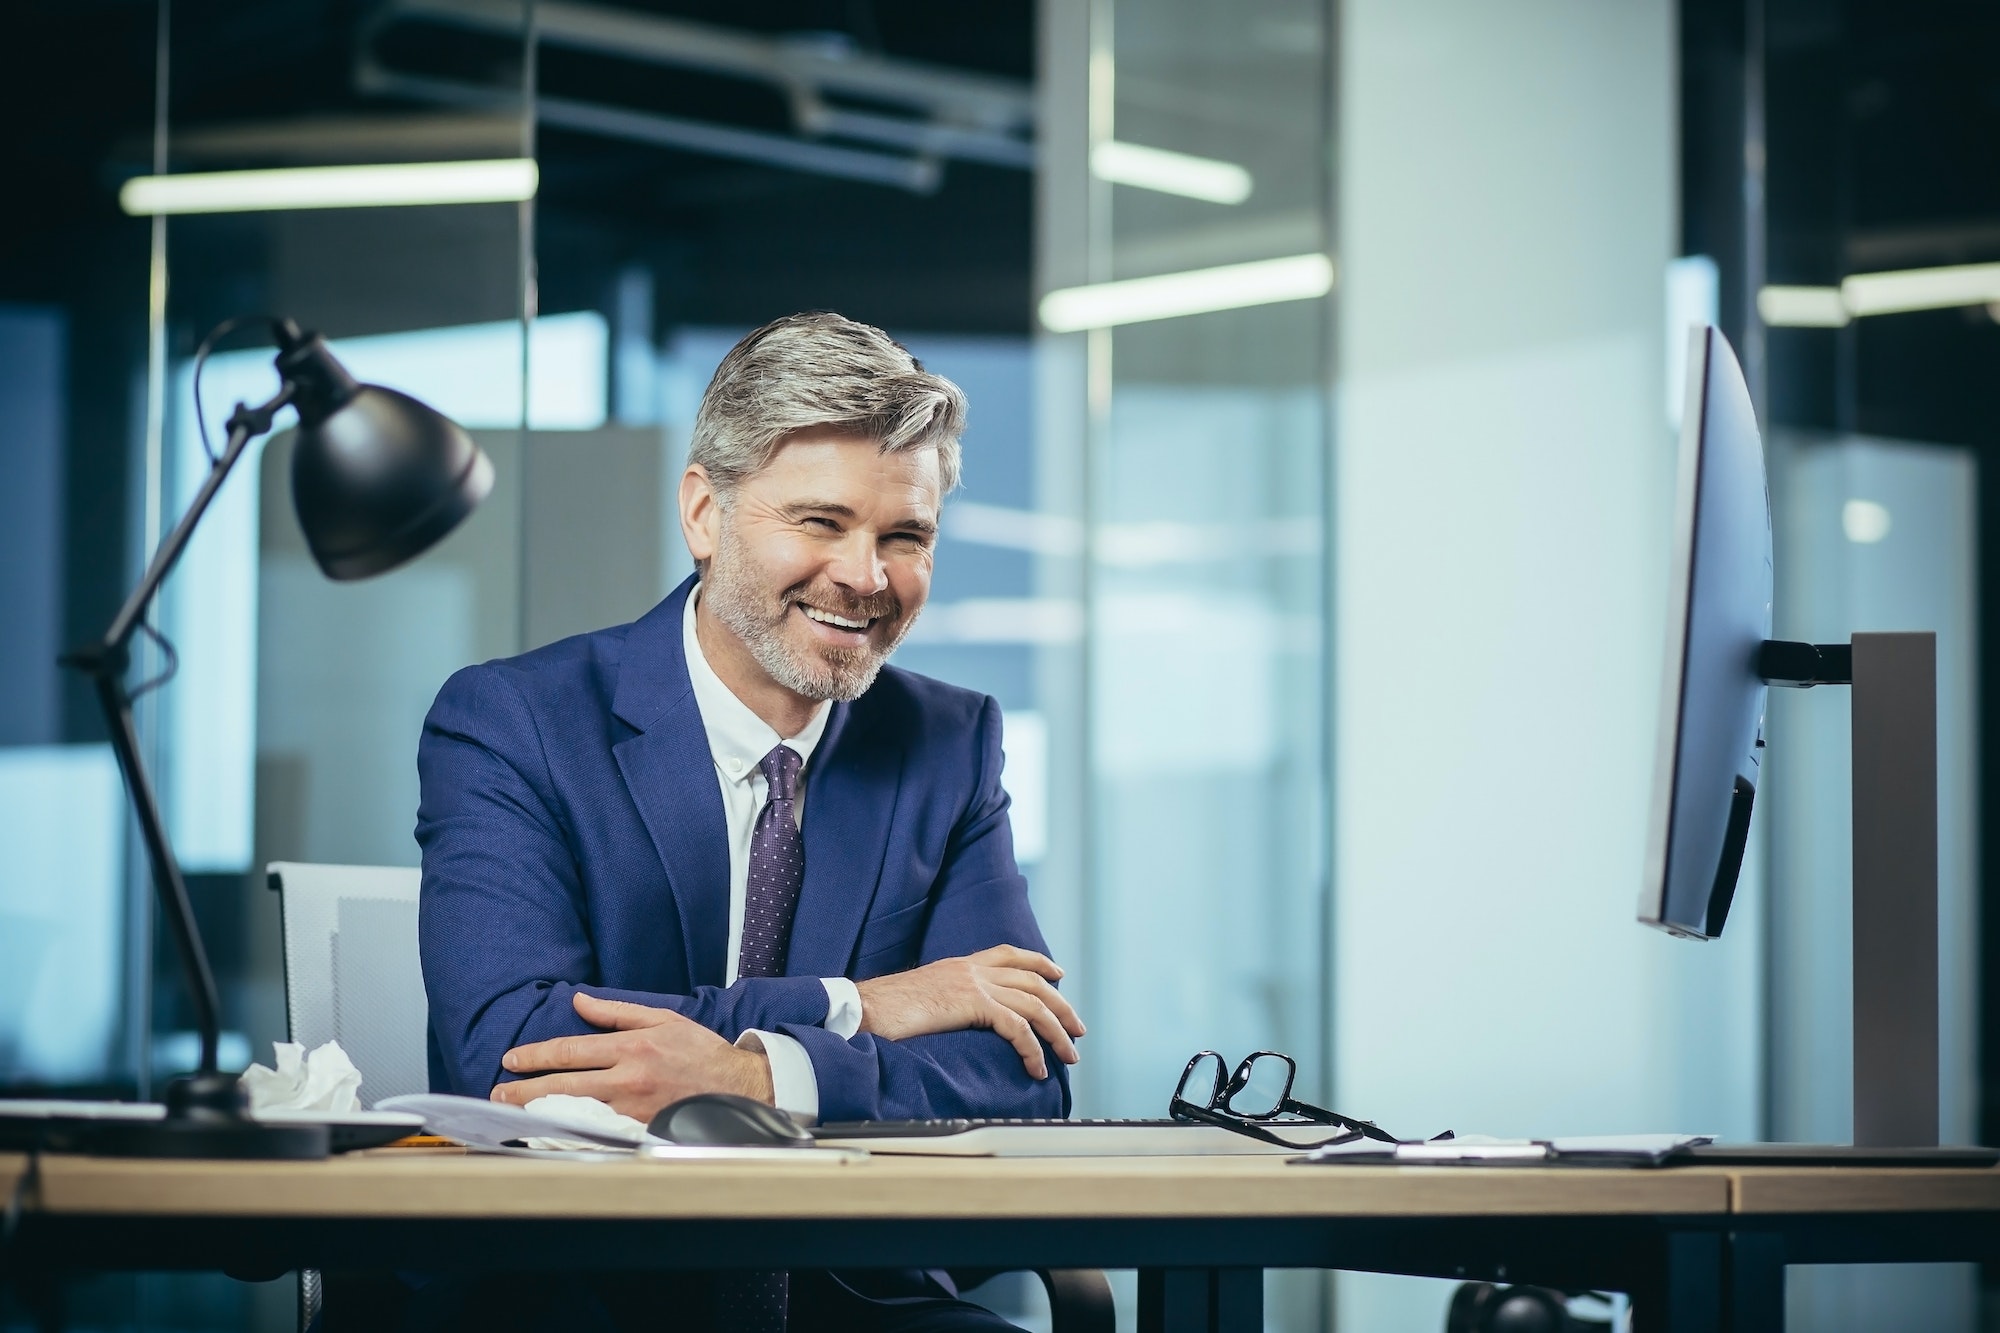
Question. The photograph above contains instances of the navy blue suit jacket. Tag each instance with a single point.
(573, 839)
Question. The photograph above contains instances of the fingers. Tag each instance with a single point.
(1043, 991)
(620, 1015)
(1040, 1019)
(593, 1083)
(597, 1050)
(1010, 955)
(1020, 1035)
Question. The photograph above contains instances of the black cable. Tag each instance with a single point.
(201, 353)
(29, 1179)
(39, 1299)
(167, 672)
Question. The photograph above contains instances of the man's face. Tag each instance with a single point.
(820, 562)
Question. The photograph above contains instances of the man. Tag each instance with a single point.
(623, 896)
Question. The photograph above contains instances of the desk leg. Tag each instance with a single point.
(1687, 1293)
(1756, 1282)
(1201, 1300)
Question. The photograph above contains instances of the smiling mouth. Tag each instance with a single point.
(847, 623)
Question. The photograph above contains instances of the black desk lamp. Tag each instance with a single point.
(377, 479)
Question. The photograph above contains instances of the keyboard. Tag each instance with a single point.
(1062, 1138)
(931, 1129)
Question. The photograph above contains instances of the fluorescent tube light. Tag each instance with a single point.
(1801, 307)
(1170, 295)
(1921, 289)
(492, 180)
(1168, 172)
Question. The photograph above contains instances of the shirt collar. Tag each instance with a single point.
(737, 737)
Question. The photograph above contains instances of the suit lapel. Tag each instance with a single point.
(670, 773)
(851, 793)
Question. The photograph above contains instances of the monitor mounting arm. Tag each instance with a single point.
(1800, 666)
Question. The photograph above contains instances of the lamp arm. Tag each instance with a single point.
(106, 661)
(245, 424)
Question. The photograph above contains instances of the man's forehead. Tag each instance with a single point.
(854, 467)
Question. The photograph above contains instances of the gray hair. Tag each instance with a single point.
(822, 370)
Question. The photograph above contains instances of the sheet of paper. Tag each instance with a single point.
(491, 1124)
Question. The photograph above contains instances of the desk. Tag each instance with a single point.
(1849, 1215)
(1696, 1247)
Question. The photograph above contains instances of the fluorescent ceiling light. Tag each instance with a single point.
(1170, 295)
(1170, 173)
(1921, 289)
(1801, 307)
(1014, 529)
(492, 180)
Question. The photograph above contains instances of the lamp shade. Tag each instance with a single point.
(377, 477)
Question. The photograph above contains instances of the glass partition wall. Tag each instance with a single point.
(1190, 444)
(290, 729)
(286, 716)
(1207, 493)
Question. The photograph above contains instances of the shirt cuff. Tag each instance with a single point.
(843, 1007)
(794, 1086)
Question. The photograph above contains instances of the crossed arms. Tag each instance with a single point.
(509, 944)
(646, 1056)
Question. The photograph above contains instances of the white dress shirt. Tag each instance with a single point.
(738, 740)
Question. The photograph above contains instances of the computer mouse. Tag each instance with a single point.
(724, 1120)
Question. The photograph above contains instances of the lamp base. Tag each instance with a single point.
(241, 1141)
(208, 1117)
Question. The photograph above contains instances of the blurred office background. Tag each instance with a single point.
(1327, 626)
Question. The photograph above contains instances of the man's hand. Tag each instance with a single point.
(1002, 988)
(650, 1058)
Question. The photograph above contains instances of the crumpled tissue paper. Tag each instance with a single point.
(584, 1113)
(322, 1080)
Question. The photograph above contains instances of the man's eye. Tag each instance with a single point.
(825, 524)
(910, 538)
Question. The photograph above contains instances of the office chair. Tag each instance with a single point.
(1486, 1307)
(352, 975)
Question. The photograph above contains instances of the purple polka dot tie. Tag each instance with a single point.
(755, 1302)
(777, 869)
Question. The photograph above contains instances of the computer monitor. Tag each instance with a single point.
(1718, 618)
(1720, 660)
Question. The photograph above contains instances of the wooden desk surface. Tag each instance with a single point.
(1849, 1189)
(403, 1183)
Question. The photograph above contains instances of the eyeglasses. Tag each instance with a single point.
(1253, 1097)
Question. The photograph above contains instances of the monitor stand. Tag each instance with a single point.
(1894, 705)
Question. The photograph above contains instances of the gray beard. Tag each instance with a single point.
(840, 674)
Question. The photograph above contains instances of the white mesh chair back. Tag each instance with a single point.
(351, 969)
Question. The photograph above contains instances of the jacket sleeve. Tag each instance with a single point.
(980, 900)
(502, 928)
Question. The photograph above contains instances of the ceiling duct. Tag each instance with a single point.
(911, 117)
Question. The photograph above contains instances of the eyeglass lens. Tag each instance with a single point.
(1202, 1080)
(1260, 1085)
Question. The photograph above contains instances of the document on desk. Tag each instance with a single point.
(556, 1127)
(1481, 1150)
(486, 1124)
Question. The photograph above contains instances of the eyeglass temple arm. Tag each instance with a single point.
(1368, 1128)
(1182, 1109)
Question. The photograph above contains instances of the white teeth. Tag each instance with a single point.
(829, 618)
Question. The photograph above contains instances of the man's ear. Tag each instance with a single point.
(701, 513)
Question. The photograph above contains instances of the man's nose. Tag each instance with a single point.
(857, 565)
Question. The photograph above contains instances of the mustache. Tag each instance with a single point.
(884, 605)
